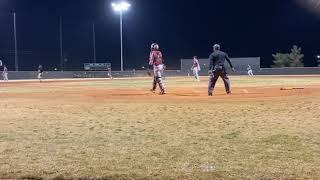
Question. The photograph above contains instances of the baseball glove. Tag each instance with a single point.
(164, 67)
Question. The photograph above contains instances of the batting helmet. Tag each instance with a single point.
(216, 47)
(154, 46)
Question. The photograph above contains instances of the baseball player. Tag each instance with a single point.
(109, 74)
(217, 69)
(156, 62)
(196, 68)
(1, 66)
(40, 72)
(249, 69)
(5, 73)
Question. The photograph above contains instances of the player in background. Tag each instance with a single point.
(40, 72)
(5, 73)
(249, 69)
(217, 69)
(1, 65)
(109, 74)
(196, 68)
(156, 62)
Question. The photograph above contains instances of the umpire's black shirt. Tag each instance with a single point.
(217, 60)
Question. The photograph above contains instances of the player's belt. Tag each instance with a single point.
(218, 67)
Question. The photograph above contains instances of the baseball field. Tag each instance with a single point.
(269, 128)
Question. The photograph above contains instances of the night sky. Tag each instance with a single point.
(182, 28)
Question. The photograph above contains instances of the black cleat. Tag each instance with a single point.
(162, 93)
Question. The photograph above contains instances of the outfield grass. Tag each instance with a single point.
(56, 130)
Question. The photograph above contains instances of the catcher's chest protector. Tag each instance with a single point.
(156, 58)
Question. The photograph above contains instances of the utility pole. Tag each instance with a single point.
(94, 42)
(16, 62)
(61, 43)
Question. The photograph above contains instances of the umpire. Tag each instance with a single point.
(217, 69)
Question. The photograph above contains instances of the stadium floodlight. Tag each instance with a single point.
(318, 56)
(121, 7)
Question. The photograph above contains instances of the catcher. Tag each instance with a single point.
(156, 62)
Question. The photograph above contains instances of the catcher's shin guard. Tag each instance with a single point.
(161, 85)
(154, 84)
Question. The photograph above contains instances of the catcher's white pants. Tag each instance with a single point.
(158, 70)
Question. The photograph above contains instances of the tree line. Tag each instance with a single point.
(292, 59)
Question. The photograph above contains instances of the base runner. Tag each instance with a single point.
(109, 74)
(156, 62)
(5, 73)
(40, 73)
(217, 69)
(249, 69)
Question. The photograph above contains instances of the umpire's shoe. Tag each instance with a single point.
(162, 93)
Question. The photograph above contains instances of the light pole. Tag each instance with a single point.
(121, 7)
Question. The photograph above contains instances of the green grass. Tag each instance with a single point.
(70, 137)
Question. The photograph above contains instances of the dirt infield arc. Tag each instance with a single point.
(73, 90)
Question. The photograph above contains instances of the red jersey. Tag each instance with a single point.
(195, 63)
(155, 58)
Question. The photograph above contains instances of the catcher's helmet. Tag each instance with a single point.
(216, 47)
(154, 46)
